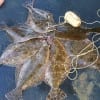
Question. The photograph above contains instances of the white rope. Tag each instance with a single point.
(91, 22)
(76, 74)
(76, 57)
(98, 14)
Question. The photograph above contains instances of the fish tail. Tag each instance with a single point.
(29, 4)
(15, 94)
(56, 94)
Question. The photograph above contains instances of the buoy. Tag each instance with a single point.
(1, 2)
(71, 18)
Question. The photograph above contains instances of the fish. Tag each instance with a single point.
(84, 54)
(17, 53)
(22, 29)
(58, 71)
(37, 23)
(75, 33)
(31, 73)
(38, 19)
(38, 52)
(15, 35)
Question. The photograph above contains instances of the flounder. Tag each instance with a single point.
(30, 74)
(58, 71)
(17, 53)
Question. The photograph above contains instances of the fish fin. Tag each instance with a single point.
(56, 94)
(29, 6)
(17, 71)
(29, 3)
(15, 94)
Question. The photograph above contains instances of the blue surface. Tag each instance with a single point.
(13, 13)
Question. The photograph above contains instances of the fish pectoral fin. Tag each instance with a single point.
(56, 94)
(15, 94)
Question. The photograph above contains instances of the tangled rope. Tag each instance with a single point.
(90, 23)
(82, 53)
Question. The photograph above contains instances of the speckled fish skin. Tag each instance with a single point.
(34, 75)
(17, 54)
(57, 72)
(38, 74)
(34, 63)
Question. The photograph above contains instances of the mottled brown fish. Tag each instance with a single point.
(17, 53)
(58, 71)
(75, 33)
(31, 73)
(87, 53)
(39, 52)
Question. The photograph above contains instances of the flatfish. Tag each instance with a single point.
(58, 71)
(17, 53)
(31, 73)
